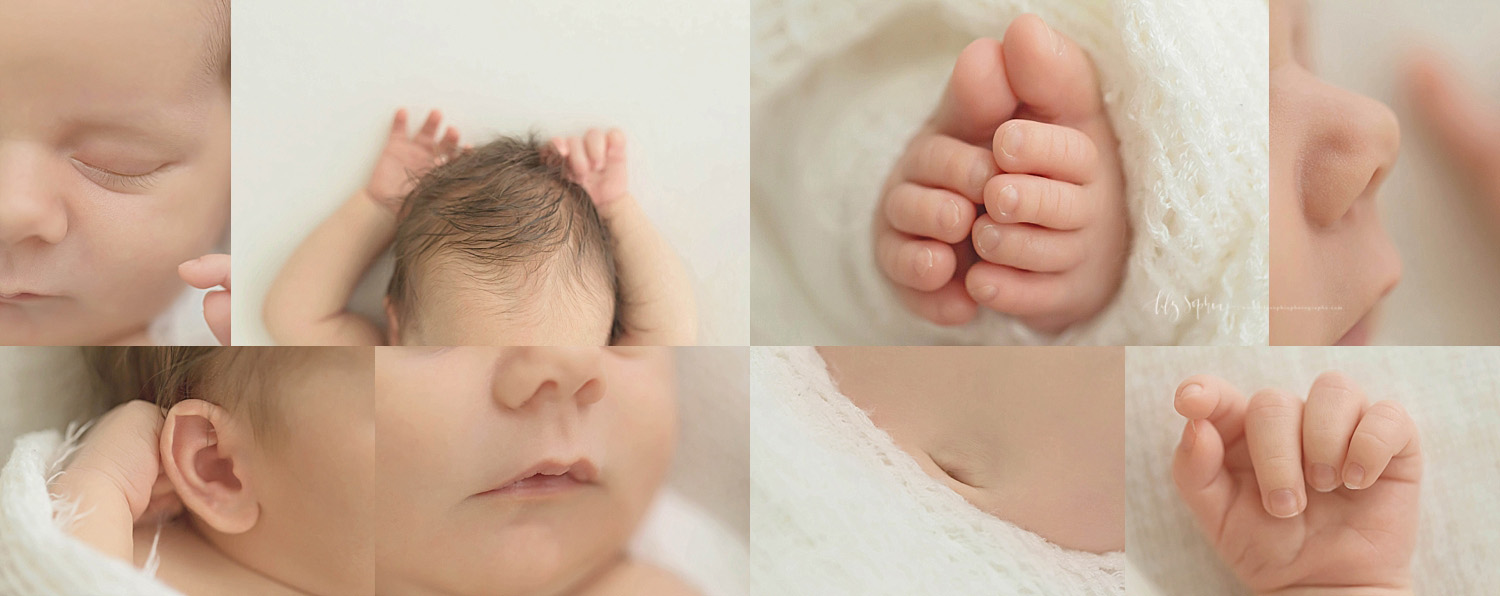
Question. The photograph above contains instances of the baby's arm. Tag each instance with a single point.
(308, 302)
(115, 478)
(657, 299)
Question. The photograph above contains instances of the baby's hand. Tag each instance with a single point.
(405, 159)
(596, 161)
(1243, 469)
(207, 272)
(122, 450)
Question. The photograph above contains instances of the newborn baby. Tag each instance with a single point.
(1244, 466)
(1331, 260)
(114, 167)
(259, 472)
(510, 243)
(1035, 437)
(520, 471)
(1012, 196)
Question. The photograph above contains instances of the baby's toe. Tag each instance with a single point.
(1048, 150)
(929, 212)
(923, 265)
(945, 162)
(978, 97)
(1049, 73)
(1024, 294)
(1028, 247)
(1023, 198)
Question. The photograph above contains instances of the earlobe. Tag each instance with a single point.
(392, 327)
(203, 453)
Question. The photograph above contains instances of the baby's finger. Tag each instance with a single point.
(559, 145)
(1207, 397)
(216, 314)
(1198, 469)
(1027, 247)
(615, 152)
(206, 271)
(1022, 198)
(578, 158)
(398, 125)
(594, 141)
(945, 162)
(448, 146)
(1049, 150)
(1273, 432)
(1334, 406)
(929, 212)
(428, 134)
(913, 262)
(1384, 444)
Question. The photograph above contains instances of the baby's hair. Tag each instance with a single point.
(239, 379)
(503, 212)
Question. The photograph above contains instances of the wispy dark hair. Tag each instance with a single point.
(505, 211)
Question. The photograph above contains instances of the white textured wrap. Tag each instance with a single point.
(838, 87)
(838, 508)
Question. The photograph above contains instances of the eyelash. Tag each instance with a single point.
(118, 180)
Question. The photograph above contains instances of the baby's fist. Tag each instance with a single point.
(596, 161)
(123, 449)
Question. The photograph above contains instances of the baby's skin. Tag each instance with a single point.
(308, 302)
(1245, 467)
(1012, 195)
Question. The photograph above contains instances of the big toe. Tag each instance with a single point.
(1050, 74)
(978, 98)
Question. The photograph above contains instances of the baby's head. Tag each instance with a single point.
(512, 471)
(114, 161)
(1331, 260)
(271, 451)
(499, 247)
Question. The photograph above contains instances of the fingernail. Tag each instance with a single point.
(192, 263)
(1010, 199)
(1189, 436)
(1354, 477)
(988, 238)
(986, 293)
(1010, 144)
(1323, 478)
(1190, 391)
(921, 261)
(1057, 40)
(949, 218)
(1282, 503)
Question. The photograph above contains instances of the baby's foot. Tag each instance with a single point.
(930, 200)
(1055, 234)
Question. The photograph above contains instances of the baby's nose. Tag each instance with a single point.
(1353, 147)
(30, 209)
(531, 373)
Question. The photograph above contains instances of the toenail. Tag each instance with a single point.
(988, 238)
(921, 261)
(949, 219)
(986, 293)
(1010, 144)
(1323, 478)
(1010, 199)
(1057, 40)
(1282, 503)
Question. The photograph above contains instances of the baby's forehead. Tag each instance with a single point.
(546, 306)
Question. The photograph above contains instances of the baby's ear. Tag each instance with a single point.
(392, 326)
(206, 455)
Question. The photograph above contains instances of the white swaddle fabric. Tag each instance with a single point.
(838, 508)
(37, 556)
(1453, 394)
(182, 324)
(837, 88)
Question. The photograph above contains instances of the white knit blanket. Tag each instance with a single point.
(37, 555)
(838, 508)
(1451, 393)
(837, 87)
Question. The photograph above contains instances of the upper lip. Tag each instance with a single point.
(580, 469)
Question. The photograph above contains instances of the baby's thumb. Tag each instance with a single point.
(1198, 469)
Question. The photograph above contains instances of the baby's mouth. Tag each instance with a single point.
(546, 479)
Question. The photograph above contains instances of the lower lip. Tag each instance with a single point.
(537, 486)
(22, 297)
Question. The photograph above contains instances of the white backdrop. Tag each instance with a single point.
(1450, 252)
(316, 83)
